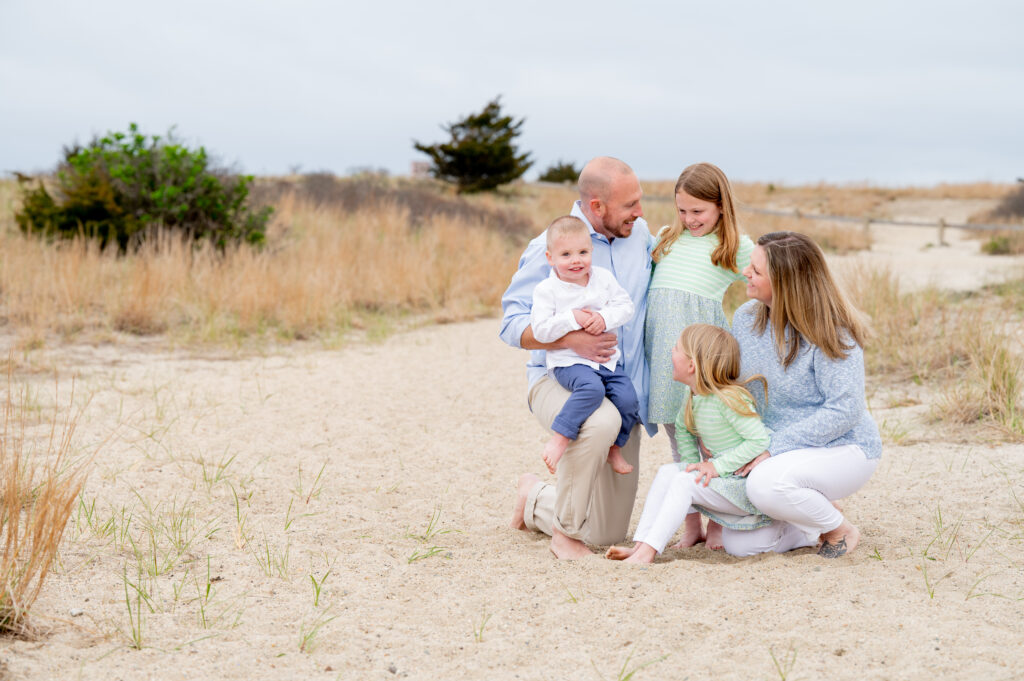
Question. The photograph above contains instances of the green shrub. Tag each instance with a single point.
(560, 172)
(123, 186)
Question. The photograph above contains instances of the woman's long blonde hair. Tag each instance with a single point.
(706, 182)
(806, 300)
(716, 356)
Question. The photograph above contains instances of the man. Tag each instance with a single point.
(589, 503)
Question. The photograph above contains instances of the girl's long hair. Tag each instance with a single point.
(806, 300)
(716, 356)
(706, 182)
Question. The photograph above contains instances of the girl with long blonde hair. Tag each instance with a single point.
(720, 411)
(696, 259)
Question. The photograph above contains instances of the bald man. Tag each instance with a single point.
(589, 503)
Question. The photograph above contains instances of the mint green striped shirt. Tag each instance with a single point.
(687, 266)
(732, 439)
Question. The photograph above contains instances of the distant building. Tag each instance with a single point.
(420, 168)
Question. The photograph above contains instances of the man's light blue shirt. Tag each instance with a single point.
(629, 259)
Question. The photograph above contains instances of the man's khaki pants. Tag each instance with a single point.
(589, 501)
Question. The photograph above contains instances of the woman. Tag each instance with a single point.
(801, 333)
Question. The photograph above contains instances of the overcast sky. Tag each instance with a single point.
(880, 91)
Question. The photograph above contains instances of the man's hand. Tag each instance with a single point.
(744, 470)
(705, 471)
(597, 348)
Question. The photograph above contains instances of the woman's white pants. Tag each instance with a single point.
(796, 489)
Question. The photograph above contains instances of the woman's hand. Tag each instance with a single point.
(705, 471)
(744, 470)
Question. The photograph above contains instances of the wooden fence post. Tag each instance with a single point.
(942, 232)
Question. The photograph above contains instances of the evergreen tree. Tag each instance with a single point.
(560, 171)
(481, 154)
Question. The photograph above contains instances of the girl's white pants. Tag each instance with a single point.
(669, 500)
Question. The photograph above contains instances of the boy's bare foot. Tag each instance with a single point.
(714, 536)
(567, 548)
(692, 532)
(840, 541)
(526, 483)
(554, 449)
(619, 464)
(642, 554)
(619, 552)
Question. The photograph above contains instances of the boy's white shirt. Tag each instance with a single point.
(554, 300)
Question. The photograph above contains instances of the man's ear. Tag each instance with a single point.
(597, 207)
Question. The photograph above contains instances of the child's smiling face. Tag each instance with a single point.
(697, 215)
(570, 256)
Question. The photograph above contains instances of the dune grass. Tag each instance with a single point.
(40, 485)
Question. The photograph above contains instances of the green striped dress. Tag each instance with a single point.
(685, 289)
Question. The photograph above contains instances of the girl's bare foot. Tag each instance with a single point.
(692, 532)
(840, 541)
(619, 464)
(554, 449)
(526, 483)
(642, 554)
(714, 536)
(619, 552)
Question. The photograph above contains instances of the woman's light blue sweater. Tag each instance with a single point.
(815, 402)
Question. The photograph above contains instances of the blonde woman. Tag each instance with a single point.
(720, 411)
(803, 335)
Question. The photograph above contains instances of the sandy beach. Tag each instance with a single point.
(343, 514)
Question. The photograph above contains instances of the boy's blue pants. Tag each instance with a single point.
(588, 387)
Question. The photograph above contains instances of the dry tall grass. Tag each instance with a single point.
(323, 270)
(959, 347)
(38, 497)
(345, 256)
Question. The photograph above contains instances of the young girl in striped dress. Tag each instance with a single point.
(720, 411)
(696, 260)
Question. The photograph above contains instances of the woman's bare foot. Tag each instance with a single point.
(692, 532)
(840, 541)
(566, 548)
(526, 483)
(714, 536)
(554, 449)
(619, 464)
(619, 552)
(642, 554)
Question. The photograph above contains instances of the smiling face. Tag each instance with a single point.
(698, 216)
(620, 208)
(569, 255)
(759, 285)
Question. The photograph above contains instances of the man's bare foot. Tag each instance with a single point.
(642, 554)
(526, 483)
(692, 532)
(554, 449)
(567, 548)
(714, 536)
(840, 541)
(619, 552)
(619, 464)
